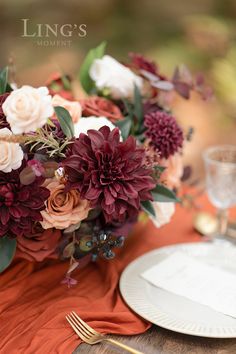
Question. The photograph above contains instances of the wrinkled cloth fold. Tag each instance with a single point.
(33, 303)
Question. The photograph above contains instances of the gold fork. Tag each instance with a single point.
(90, 336)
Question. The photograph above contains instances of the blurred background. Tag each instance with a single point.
(199, 33)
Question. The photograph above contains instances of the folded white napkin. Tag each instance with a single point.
(186, 276)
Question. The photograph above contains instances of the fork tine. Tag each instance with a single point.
(77, 331)
(80, 325)
(73, 326)
(90, 329)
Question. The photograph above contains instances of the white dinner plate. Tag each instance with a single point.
(175, 312)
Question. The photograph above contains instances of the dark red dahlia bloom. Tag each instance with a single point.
(3, 121)
(20, 205)
(164, 133)
(109, 173)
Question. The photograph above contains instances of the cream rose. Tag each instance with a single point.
(28, 108)
(11, 154)
(63, 209)
(95, 123)
(120, 80)
(73, 107)
(164, 212)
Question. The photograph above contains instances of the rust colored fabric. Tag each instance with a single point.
(33, 303)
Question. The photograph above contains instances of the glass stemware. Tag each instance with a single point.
(220, 165)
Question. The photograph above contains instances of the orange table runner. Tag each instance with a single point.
(33, 303)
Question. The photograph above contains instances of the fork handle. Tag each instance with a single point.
(123, 346)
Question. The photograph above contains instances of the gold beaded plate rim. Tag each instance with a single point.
(174, 312)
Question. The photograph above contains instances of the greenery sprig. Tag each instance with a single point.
(40, 140)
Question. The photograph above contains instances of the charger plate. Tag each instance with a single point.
(172, 311)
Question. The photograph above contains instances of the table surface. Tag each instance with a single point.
(159, 340)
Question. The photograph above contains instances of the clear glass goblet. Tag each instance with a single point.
(220, 165)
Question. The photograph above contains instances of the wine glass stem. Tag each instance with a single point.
(222, 215)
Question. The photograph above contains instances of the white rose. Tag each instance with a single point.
(85, 124)
(27, 109)
(120, 80)
(164, 212)
(11, 154)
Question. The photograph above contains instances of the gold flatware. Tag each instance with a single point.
(90, 336)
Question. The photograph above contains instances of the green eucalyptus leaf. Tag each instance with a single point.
(162, 194)
(66, 82)
(3, 80)
(7, 252)
(148, 208)
(85, 79)
(129, 108)
(124, 125)
(65, 121)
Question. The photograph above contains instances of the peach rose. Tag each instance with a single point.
(39, 246)
(99, 106)
(73, 107)
(63, 209)
(173, 172)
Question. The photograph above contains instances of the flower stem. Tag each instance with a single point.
(17, 139)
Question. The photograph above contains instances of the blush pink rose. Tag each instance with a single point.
(73, 107)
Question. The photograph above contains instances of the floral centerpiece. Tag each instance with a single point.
(75, 174)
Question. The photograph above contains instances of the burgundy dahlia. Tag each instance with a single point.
(109, 173)
(20, 205)
(164, 133)
(3, 121)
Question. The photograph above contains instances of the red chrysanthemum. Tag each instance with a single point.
(109, 173)
(20, 205)
(3, 121)
(164, 133)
